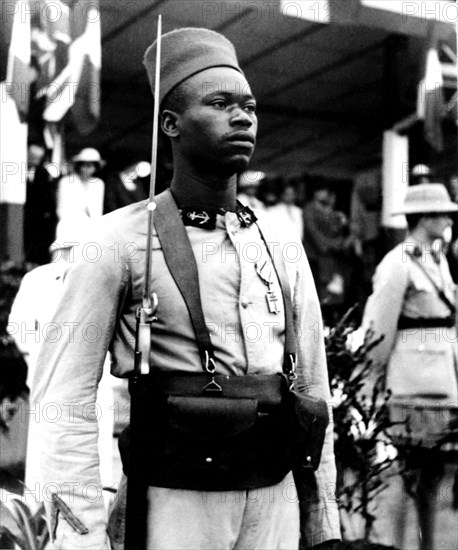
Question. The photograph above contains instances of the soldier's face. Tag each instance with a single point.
(436, 224)
(217, 131)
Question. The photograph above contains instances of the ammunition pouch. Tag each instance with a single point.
(225, 433)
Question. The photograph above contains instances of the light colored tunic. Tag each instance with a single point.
(103, 288)
(421, 371)
(421, 363)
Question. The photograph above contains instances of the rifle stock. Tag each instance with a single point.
(137, 502)
(137, 488)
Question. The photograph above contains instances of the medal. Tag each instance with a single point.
(266, 274)
(272, 300)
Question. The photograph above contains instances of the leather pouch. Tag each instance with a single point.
(217, 439)
(249, 434)
(308, 420)
(211, 418)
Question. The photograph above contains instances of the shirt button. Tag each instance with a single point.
(245, 302)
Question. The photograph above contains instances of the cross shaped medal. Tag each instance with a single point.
(265, 272)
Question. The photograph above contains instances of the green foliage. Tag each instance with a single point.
(13, 368)
(21, 527)
(362, 443)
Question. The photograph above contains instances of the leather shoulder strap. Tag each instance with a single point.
(181, 262)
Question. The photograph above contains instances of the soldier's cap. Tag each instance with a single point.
(186, 52)
(427, 198)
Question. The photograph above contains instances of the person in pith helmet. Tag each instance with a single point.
(413, 305)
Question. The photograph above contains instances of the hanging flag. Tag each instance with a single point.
(430, 101)
(6, 26)
(67, 47)
(449, 73)
(20, 75)
(16, 78)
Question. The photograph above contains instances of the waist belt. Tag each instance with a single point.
(425, 322)
(223, 433)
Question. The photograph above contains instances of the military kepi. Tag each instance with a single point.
(186, 52)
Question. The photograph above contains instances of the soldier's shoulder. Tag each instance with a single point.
(125, 224)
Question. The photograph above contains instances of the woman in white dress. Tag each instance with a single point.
(80, 194)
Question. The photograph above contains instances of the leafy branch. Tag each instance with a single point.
(363, 446)
(23, 528)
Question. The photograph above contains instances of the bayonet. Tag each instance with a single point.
(137, 488)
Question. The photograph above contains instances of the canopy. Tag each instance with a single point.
(326, 90)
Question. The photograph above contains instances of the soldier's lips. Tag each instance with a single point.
(242, 139)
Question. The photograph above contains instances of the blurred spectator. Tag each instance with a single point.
(300, 188)
(420, 173)
(413, 306)
(366, 230)
(40, 207)
(39, 295)
(327, 244)
(452, 254)
(125, 184)
(30, 322)
(286, 216)
(270, 190)
(80, 194)
(248, 186)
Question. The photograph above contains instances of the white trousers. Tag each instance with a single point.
(259, 519)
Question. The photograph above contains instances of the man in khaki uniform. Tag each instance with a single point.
(413, 305)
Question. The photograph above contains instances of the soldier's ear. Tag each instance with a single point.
(169, 124)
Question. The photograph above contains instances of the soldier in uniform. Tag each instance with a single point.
(413, 305)
(209, 114)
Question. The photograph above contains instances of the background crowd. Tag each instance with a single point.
(338, 222)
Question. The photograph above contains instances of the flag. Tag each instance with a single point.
(68, 51)
(17, 76)
(20, 75)
(6, 26)
(449, 72)
(431, 106)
